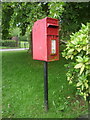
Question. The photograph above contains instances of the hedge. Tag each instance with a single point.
(8, 43)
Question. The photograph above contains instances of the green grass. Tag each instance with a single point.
(3, 47)
(23, 82)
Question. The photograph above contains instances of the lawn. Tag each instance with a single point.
(23, 88)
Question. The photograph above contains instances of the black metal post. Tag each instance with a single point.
(46, 85)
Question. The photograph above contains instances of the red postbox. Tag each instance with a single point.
(45, 36)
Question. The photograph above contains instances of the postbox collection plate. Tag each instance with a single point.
(53, 47)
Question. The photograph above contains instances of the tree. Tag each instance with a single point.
(73, 16)
(21, 14)
(7, 11)
(24, 14)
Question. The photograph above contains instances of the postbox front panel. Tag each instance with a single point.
(53, 48)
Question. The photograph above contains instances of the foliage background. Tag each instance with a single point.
(24, 14)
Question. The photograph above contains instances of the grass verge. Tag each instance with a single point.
(23, 88)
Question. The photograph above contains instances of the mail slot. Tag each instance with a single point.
(45, 38)
(52, 30)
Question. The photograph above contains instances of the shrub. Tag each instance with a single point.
(78, 51)
(8, 43)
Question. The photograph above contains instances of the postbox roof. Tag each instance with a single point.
(48, 19)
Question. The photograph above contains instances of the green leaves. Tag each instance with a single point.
(77, 49)
(56, 9)
(79, 59)
(15, 31)
(82, 69)
(22, 15)
(83, 61)
(78, 65)
(81, 66)
(70, 51)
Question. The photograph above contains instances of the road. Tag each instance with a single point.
(14, 49)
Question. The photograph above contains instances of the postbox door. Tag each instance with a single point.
(53, 47)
